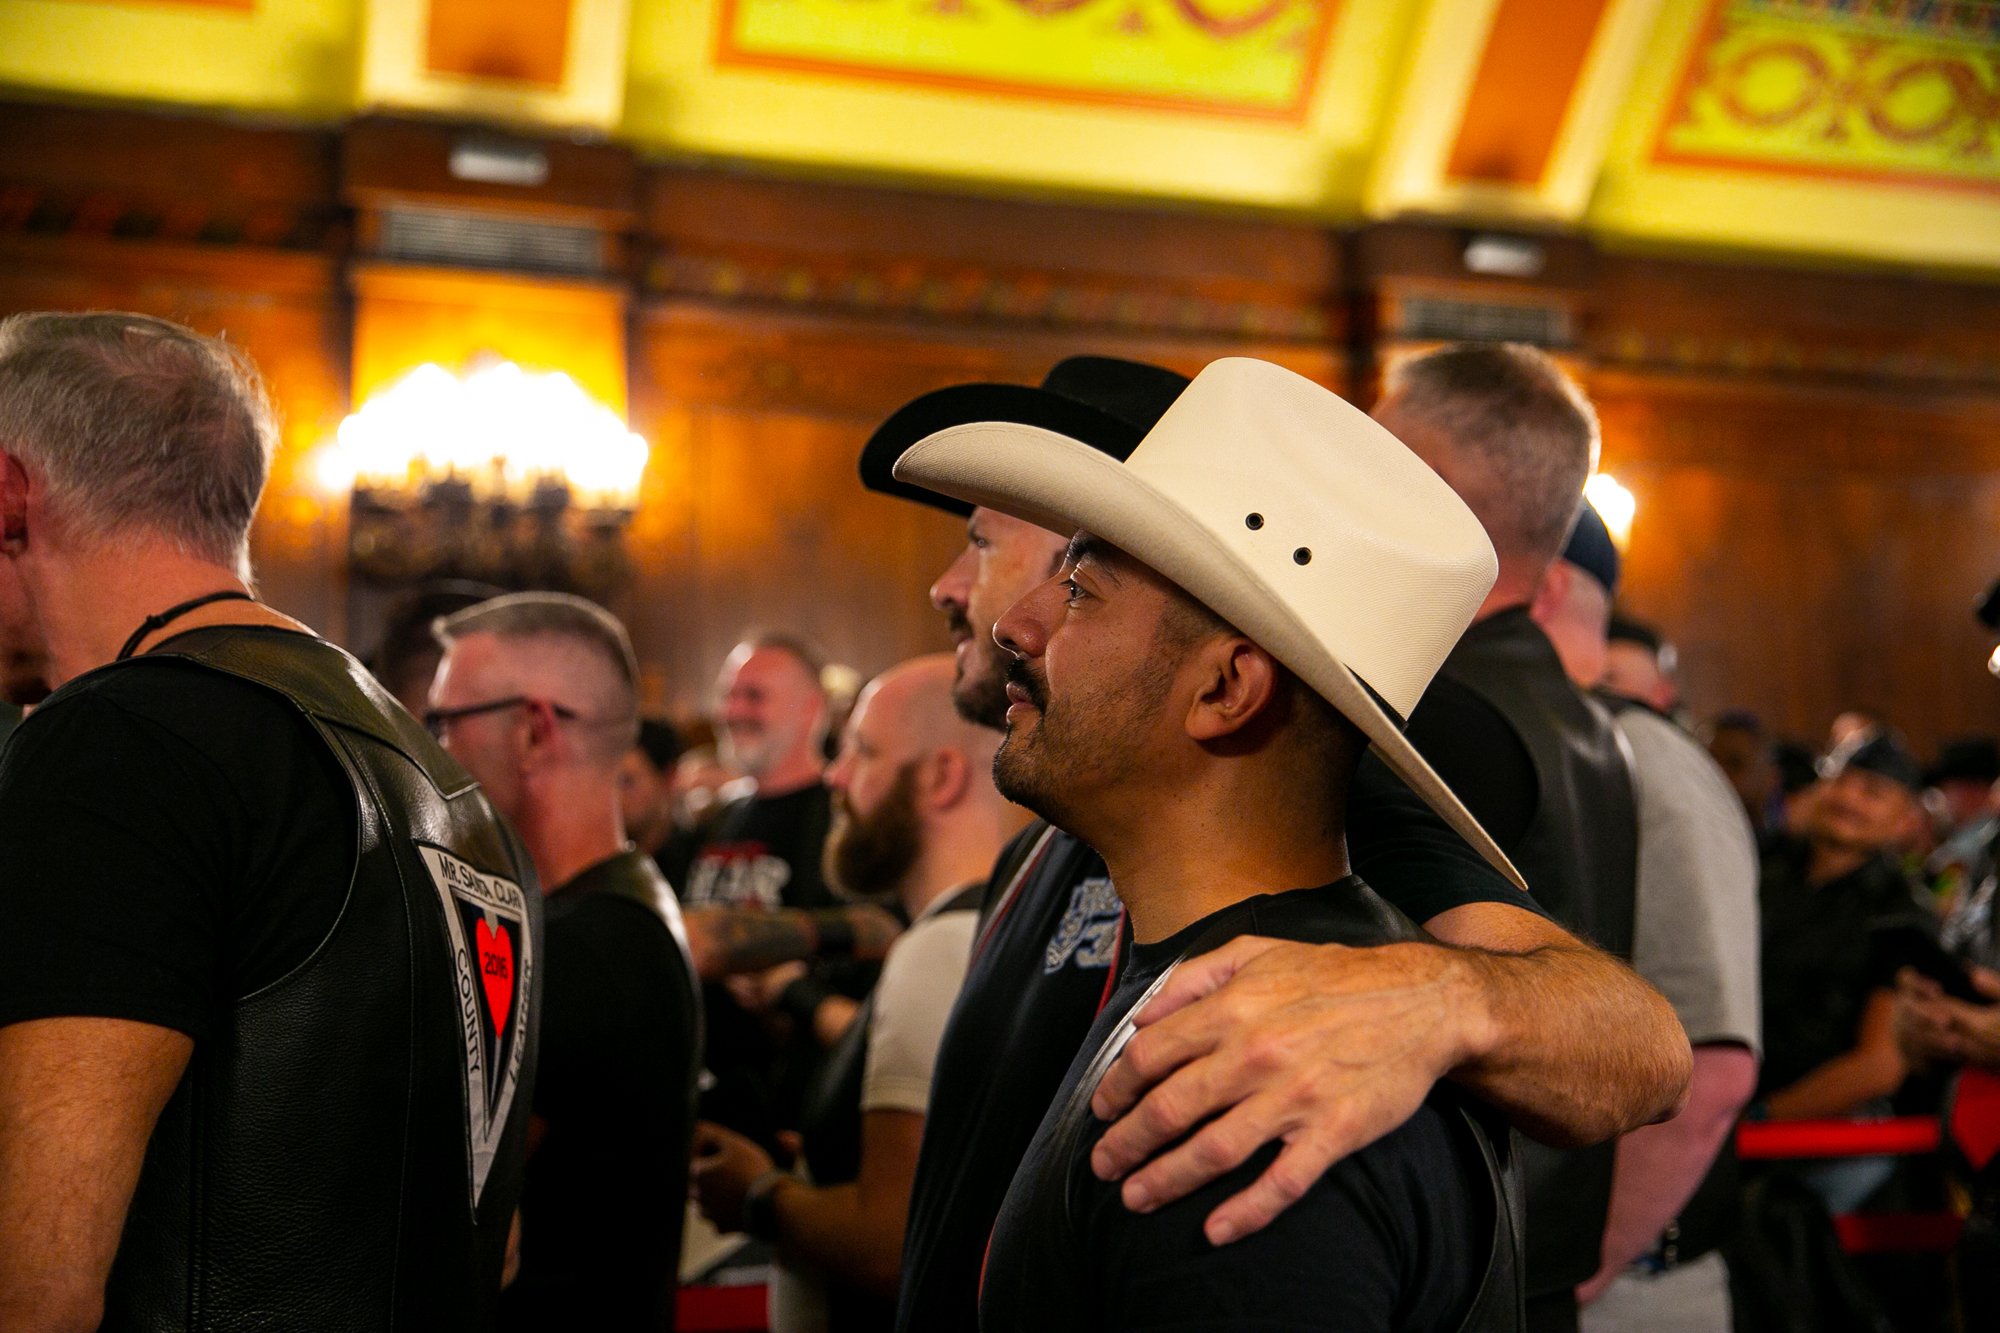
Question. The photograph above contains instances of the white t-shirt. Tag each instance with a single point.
(920, 979)
(912, 999)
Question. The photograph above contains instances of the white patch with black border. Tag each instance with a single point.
(492, 953)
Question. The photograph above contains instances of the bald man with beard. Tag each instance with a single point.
(916, 821)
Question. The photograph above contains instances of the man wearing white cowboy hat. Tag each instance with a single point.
(1251, 594)
(1308, 1044)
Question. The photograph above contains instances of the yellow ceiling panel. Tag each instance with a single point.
(1862, 131)
(293, 57)
(1269, 103)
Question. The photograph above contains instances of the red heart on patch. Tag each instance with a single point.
(496, 971)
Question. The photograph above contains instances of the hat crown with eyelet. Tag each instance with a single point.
(1367, 546)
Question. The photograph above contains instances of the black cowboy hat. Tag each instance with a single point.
(1100, 401)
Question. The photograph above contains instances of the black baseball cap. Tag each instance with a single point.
(1880, 753)
(1591, 549)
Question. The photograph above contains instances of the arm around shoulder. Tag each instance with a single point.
(1539, 1008)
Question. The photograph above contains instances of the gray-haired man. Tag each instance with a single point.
(267, 982)
(538, 696)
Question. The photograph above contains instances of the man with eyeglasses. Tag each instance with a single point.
(537, 695)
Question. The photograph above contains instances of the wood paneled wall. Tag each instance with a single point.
(1816, 455)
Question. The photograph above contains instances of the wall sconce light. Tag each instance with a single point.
(1614, 504)
(517, 479)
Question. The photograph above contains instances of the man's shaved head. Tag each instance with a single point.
(561, 648)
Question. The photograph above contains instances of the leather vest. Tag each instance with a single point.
(1580, 856)
(348, 1154)
(1357, 917)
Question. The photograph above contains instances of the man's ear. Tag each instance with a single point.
(1552, 593)
(942, 778)
(1237, 682)
(13, 504)
(540, 736)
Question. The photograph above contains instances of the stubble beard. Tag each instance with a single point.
(1055, 763)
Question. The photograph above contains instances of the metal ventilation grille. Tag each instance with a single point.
(1441, 319)
(488, 240)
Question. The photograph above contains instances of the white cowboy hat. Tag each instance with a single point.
(1289, 513)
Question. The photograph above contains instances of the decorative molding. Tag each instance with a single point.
(960, 293)
(1244, 58)
(1905, 93)
(34, 210)
(1765, 355)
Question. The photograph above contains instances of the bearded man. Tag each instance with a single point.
(1257, 595)
(916, 821)
(1260, 1041)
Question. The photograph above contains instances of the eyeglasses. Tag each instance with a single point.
(436, 720)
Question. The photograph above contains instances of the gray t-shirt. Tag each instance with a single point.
(1696, 935)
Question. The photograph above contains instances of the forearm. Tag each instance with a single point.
(1660, 1166)
(840, 1232)
(726, 941)
(1533, 1027)
(1840, 1087)
(1872, 1069)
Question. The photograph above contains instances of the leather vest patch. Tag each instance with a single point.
(493, 957)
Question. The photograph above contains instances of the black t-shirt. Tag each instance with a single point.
(172, 840)
(1042, 968)
(1395, 1236)
(764, 851)
(1825, 950)
(602, 1207)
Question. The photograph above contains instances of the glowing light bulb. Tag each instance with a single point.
(1613, 503)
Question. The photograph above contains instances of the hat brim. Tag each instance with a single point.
(965, 404)
(1048, 479)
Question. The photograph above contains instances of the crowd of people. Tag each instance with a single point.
(1300, 899)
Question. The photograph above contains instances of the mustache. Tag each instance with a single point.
(1019, 674)
(955, 621)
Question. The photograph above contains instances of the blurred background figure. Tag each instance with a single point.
(1673, 1195)
(646, 785)
(1840, 916)
(918, 821)
(406, 658)
(1639, 665)
(1737, 742)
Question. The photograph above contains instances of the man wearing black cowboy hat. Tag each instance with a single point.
(1043, 962)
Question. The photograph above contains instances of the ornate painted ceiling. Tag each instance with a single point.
(1851, 129)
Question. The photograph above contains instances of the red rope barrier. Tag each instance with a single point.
(1901, 1136)
(1897, 1233)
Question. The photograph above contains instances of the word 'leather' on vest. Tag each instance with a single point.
(1580, 856)
(1353, 915)
(348, 1154)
